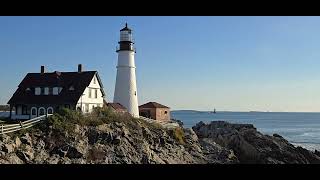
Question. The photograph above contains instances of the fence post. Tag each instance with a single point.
(21, 124)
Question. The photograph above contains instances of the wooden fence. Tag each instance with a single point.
(7, 128)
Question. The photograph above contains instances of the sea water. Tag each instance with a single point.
(300, 129)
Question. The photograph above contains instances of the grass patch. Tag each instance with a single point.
(179, 135)
(65, 119)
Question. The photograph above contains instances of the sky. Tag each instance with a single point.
(231, 63)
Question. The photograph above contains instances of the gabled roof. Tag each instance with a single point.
(152, 105)
(79, 80)
(116, 106)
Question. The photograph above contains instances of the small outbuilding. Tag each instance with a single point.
(117, 107)
(154, 110)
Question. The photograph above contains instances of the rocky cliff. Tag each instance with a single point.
(127, 140)
(250, 146)
(66, 139)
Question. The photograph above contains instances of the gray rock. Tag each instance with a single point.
(17, 142)
(250, 146)
(14, 159)
(26, 139)
(8, 148)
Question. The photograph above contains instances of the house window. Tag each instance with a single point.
(60, 89)
(96, 93)
(87, 108)
(71, 88)
(42, 111)
(37, 91)
(89, 93)
(55, 91)
(50, 110)
(94, 80)
(79, 109)
(165, 112)
(46, 91)
(34, 111)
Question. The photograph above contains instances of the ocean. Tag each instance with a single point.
(300, 129)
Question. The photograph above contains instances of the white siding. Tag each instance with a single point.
(91, 102)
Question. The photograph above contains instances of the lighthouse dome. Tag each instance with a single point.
(126, 28)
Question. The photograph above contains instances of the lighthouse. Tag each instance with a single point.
(126, 87)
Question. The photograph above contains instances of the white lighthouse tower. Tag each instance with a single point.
(126, 87)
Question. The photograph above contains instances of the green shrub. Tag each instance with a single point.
(178, 134)
(65, 119)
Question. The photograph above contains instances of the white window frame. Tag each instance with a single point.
(55, 91)
(37, 91)
(49, 108)
(46, 91)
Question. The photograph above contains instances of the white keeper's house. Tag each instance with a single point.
(45, 92)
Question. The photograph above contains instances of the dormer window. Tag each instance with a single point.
(37, 91)
(46, 91)
(55, 91)
(71, 88)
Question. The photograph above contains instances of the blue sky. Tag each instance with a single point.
(201, 63)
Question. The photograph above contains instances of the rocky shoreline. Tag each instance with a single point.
(136, 142)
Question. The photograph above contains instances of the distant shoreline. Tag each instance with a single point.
(196, 111)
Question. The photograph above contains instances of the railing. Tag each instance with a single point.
(7, 128)
(131, 48)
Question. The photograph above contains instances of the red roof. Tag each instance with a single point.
(152, 105)
(116, 106)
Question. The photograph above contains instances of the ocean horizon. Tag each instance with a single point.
(299, 128)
